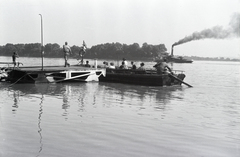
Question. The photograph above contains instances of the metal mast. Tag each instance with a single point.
(41, 40)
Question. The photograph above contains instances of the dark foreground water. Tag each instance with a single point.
(117, 120)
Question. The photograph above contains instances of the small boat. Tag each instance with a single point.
(142, 77)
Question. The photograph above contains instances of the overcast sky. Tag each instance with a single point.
(125, 21)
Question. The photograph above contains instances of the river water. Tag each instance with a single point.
(119, 120)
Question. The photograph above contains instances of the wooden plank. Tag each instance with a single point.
(53, 68)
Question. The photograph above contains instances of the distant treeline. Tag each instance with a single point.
(101, 51)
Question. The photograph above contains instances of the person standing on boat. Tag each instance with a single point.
(125, 63)
(67, 51)
(14, 56)
(123, 66)
(82, 53)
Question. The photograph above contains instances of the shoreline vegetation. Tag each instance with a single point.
(115, 51)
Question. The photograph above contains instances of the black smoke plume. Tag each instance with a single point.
(217, 32)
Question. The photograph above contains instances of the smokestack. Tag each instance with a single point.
(172, 51)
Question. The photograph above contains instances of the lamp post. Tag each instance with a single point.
(41, 40)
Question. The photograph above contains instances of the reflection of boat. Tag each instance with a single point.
(54, 74)
(141, 77)
(162, 94)
(54, 89)
(29, 89)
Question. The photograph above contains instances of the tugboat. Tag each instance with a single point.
(179, 59)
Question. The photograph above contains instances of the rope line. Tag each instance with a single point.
(17, 80)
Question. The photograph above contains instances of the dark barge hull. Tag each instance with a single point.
(53, 74)
(137, 77)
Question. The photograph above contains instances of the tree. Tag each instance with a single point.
(102, 51)
(9, 48)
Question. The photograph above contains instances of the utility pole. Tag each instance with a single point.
(41, 40)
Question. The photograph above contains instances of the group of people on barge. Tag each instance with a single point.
(161, 66)
(124, 65)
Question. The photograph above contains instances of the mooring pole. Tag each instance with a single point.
(172, 51)
(41, 40)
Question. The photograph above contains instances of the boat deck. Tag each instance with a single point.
(33, 74)
(52, 68)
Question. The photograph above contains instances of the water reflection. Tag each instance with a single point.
(82, 99)
(91, 93)
(66, 100)
(81, 104)
(86, 96)
(159, 96)
(15, 101)
(39, 125)
(82, 92)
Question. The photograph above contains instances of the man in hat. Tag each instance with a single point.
(14, 56)
(125, 63)
(162, 66)
(141, 66)
(67, 51)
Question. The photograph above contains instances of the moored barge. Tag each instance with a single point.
(54, 74)
(142, 77)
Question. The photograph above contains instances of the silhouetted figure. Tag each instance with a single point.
(141, 67)
(162, 66)
(133, 65)
(67, 51)
(14, 57)
(87, 64)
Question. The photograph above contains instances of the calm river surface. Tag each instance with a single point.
(118, 120)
